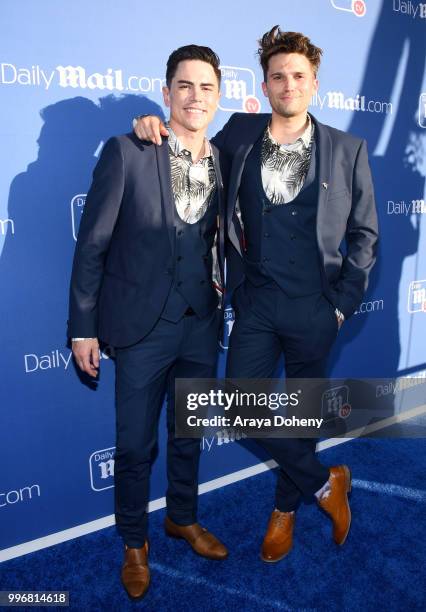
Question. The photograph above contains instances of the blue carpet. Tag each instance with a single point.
(381, 566)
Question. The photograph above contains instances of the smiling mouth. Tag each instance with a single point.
(195, 111)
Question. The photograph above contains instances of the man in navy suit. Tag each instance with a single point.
(297, 190)
(146, 280)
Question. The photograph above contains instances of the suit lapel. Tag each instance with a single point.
(251, 135)
(324, 152)
(167, 198)
(221, 210)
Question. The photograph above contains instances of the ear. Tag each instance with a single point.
(264, 89)
(166, 96)
(316, 85)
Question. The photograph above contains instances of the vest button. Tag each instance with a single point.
(179, 283)
(292, 236)
(265, 259)
(180, 232)
(266, 235)
(179, 257)
(169, 272)
(294, 213)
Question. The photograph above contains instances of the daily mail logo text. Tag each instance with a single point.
(77, 207)
(335, 403)
(229, 318)
(101, 464)
(417, 296)
(238, 90)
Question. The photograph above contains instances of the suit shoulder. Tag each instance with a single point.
(250, 118)
(128, 142)
(344, 138)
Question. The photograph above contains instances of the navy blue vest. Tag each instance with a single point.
(192, 273)
(281, 243)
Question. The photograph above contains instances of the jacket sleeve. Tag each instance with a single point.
(96, 227)
(220, 139)
(361, 238)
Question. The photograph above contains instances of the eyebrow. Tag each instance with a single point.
(278, 72)
(184, 81)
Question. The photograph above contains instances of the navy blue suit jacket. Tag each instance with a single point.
(124, 257)
(346, 223)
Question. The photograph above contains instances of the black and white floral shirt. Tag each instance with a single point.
(284, 166)
(193, 184)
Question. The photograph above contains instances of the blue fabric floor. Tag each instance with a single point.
(380, 567)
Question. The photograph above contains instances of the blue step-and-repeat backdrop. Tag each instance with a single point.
(74, 73)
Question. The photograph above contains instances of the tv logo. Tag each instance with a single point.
(335, 403)
(357, 7)
(77, 207)
(229, 324)
(238, 90)
(101, 464)
(422, 110)
(417, 296)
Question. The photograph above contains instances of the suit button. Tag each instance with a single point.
(180, 232)
(292, 236)
(179, 283)
(291, 260)
(294, 213)
(179, 257)
(266, 235)
(266, 259)
(169, 272)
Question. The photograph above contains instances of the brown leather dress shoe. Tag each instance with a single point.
(278, 539)
(135, 571)
(336, 504)
(202, 541)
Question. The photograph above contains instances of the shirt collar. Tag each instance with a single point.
(178, 149)
(304, 139)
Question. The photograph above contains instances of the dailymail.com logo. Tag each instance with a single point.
(357, 7)
(335, 403)
(417, 296)
(77, 207)
(229, 320)
(101, 464)
(422, 110)
(238, 90)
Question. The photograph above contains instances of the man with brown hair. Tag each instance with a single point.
(145, 281)
(296, 190)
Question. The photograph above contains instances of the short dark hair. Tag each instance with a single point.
(192, 52)
(275, 41)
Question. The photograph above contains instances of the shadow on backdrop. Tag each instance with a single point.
(36, 261)
(371, 343)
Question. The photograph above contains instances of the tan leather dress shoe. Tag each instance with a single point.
(135, 571)
(279, 536)
(202, 541)
(336, 504)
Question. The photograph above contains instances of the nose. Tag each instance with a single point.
(197, 94)
(288, 84)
